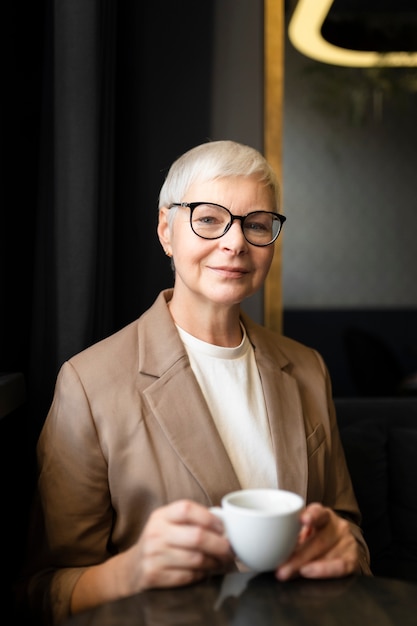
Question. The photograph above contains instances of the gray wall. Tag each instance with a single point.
(349, 188)
(349, 192)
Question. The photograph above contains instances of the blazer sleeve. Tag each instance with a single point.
(73, 488)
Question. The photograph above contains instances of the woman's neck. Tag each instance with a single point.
(217, 325)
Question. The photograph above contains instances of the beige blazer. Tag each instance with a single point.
(129, 430)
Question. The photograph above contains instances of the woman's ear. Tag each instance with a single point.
(163, 231)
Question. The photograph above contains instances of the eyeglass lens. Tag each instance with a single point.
(211, 221)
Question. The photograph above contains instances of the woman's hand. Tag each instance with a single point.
(181, 543)
(326, 547)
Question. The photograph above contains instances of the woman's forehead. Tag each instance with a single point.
(230, 190)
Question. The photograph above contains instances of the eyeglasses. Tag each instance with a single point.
(212, 221)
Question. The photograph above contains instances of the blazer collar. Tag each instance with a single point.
(178, 404)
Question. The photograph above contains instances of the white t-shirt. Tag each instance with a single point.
(230, 382)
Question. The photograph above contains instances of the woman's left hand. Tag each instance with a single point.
(326, 547)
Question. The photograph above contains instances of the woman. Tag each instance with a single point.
(153, 425)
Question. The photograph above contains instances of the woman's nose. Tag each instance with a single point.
(234, 237)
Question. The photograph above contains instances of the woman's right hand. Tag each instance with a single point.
(181, 543)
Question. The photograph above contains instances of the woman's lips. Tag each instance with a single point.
(232, 272)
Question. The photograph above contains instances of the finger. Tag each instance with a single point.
(189, 512)
(341, 561)
(179, 566)
(328, 568)
(184, 558)
(162, 534)
(316, 515)
(154, 576)
(200, 539)
(322, 557)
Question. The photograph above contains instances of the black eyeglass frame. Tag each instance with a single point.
(193, 205)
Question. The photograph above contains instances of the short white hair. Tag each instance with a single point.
(214, 160)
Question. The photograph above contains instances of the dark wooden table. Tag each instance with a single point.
(260, 600)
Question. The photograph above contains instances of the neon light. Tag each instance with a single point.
(304, 32)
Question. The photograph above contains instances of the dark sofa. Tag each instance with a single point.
(379, 436)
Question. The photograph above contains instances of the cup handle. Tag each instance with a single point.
(217, 510)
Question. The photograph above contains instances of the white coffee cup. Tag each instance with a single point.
(262, 525)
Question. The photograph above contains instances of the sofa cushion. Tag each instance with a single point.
(403, 488)
(380, 440)
(366, 448)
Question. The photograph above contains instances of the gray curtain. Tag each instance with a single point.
(74, 247)
(101, 96)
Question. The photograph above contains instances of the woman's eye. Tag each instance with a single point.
(255, 226)
(207, 219)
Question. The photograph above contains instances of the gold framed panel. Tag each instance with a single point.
(274, 18)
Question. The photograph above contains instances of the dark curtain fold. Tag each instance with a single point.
(101, 96)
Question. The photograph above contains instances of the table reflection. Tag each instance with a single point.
(260, 600)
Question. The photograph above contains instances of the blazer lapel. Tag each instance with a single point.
(178, 405)
(285, 411)
(182, 413)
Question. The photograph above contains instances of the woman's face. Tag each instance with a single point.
(221, 271)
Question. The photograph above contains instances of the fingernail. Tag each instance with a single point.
(284, 572)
